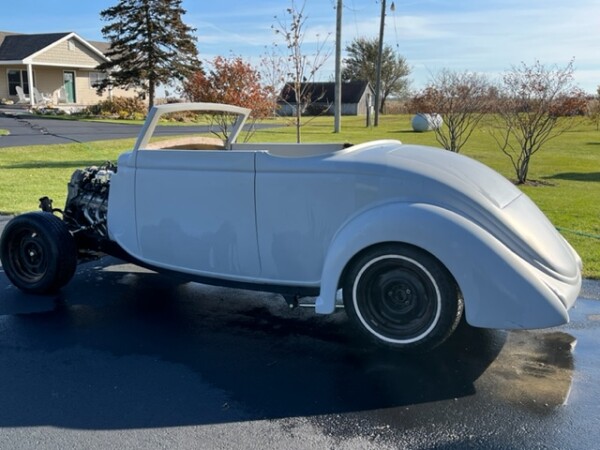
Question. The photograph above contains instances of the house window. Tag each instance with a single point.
(96, 78)
(17, 78)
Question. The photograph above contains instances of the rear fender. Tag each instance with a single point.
(500, 290)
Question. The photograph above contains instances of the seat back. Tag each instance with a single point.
(22, 97)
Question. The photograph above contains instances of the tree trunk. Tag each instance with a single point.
(151, 93)
(298, 95)
(298, 123)
(382, 106)
(523, 170)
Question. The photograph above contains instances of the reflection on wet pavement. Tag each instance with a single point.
(249, 352)
(534, 370)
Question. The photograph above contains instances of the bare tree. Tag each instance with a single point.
(272, 73)
(461, 98)
(537, 103)
(301, 68)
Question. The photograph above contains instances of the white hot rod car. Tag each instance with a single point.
(412, 236)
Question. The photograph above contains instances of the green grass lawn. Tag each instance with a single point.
(570, 166)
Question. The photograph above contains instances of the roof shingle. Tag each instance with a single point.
(16, 47)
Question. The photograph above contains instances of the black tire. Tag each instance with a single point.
(402, 297)
(38, 253)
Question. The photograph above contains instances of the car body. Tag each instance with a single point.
(411, 235)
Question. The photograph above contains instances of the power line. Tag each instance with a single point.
(393, 9)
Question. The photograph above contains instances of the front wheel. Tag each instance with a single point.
(38, 253)
(402, 297)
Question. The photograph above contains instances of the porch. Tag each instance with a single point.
(52, 86)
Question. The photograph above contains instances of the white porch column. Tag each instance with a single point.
(30, 81)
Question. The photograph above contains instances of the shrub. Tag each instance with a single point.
(537, 103)
(566, 106)
(119, 107)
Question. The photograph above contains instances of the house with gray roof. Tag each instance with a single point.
(61, 67)
(357, 97)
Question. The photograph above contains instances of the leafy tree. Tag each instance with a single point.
(361, 64)
(149, 45)
(234, 82)
(461, 98)
(300, 67)
(532, 100)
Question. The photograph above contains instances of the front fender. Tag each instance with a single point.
(500, 289)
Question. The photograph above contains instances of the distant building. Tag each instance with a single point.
(355, 97)
(52, 68)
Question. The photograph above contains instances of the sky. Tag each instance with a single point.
(486, 36)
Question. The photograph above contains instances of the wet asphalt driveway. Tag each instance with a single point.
(126, 358)
(28, 130)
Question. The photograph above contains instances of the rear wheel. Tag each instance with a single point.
(38, 253)
(402, 297)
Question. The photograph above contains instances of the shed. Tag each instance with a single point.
(321, 95)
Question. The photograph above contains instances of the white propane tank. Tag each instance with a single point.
(426, 122)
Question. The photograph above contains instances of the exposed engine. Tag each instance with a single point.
(87, 200)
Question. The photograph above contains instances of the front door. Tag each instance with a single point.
(195, 211)
(69, 85)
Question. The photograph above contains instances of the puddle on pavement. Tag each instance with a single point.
(534, 370)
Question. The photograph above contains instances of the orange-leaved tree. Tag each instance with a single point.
(234, 82)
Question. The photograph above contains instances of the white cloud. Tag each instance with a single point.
(492, 40)
(487, 37)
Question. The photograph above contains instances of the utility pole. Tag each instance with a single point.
(379, 62)
(337, 105)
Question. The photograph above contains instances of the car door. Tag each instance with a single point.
(300, 204)
(195, 211)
